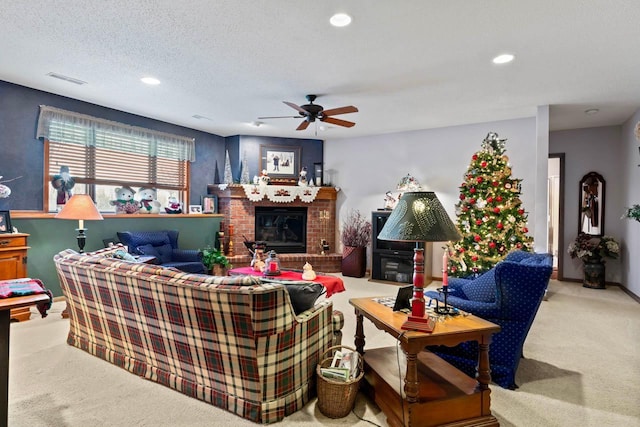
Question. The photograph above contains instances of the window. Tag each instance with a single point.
(101, 155)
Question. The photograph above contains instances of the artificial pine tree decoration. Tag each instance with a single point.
(228, 177)
(491, 218)
(244, 177)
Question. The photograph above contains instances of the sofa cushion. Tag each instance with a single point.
(481, 289)
(162, 252)
(303, 296)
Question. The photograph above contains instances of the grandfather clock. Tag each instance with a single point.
(13, 265)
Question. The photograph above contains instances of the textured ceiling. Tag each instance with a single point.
(407, 65)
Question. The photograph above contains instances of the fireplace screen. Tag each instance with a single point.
(283, 229)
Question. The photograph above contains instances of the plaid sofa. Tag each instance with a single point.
(233, 342)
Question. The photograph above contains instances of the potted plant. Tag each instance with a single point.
(215, 261)
(593, 251)
(355, 237)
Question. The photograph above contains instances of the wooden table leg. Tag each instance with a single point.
(484, 370)
(5, 321)
(359, 337)
(411, 384)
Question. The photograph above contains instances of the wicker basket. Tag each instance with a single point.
(336, 398)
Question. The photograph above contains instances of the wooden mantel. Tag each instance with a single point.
(235, 191)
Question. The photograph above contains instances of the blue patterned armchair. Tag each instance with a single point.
(508, 295)
(164, 246)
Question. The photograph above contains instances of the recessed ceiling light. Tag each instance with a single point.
(150, 81)
(503, 59)
(340, 20)
(591, 111)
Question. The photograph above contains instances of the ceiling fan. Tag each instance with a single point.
(311, 112)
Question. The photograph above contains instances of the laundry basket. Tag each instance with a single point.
(335, 397)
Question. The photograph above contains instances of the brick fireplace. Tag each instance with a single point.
(239, 212)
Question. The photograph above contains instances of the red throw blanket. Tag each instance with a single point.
(22, 287)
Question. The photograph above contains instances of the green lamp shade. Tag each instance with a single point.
(419, 217)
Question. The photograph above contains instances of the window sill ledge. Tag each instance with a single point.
(106, 215)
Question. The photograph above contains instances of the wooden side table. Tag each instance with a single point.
(13, 265)
(7, 305)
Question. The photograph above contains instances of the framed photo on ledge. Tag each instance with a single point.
(280, 161)
(195, 209)
(5, 222)
(210, 204)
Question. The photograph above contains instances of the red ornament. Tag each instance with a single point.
(472, 190)
(521, 211)
(478, 222)
(479, 179)
(525, 230)
(500, 226)
(483, 164)
(499, 198)
(461, 250)
(489, 199)
(518, 245)
(496, 210)
(472, 201)
(474, 157)
(464, 209)
(474, 258)
(495, 183)
(492, 245)
(477, 238)
(461, 196)
(453, 269)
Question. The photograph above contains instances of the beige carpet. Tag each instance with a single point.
(582, 368)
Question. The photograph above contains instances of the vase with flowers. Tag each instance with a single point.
(593, 252)
(355, 237)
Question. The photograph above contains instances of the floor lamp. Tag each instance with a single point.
(419, 217)
(80, 207)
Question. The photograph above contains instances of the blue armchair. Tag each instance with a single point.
(164, 246)
(508, 295)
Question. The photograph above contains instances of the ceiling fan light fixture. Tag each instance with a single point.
(505, 58)
(340, 20)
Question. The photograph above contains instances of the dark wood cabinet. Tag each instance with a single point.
(13, 265)
(393, 261)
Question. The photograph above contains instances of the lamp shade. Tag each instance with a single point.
(79, 207)
(419, 217)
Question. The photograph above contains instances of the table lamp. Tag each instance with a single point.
(419, 217)
(80, 207)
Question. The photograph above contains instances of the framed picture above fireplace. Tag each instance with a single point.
(280, 161)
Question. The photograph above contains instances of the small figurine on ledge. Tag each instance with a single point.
(264, 177)
(389, 201)
(173, 206)
(302, 177)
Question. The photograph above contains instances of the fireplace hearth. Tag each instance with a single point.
(237, 210)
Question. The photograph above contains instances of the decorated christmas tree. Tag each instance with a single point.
(490, 215)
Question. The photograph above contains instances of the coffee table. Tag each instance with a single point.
(332, 284)
(435, 392)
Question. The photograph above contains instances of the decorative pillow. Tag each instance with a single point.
(304, 296)
(162, 253)
(482, 289)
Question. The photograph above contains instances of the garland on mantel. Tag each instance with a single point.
(280, 193)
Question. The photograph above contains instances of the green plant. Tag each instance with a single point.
(212, 256)
(633, 212)
(356, 230)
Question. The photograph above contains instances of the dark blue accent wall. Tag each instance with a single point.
(21, 154)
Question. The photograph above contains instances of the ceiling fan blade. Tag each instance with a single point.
(338, 122)
(296, 107)
(303, 125)
(280, 117)
(341, 110)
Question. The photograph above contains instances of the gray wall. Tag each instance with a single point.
(587, 150)
(630, 195)
(365, 168)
